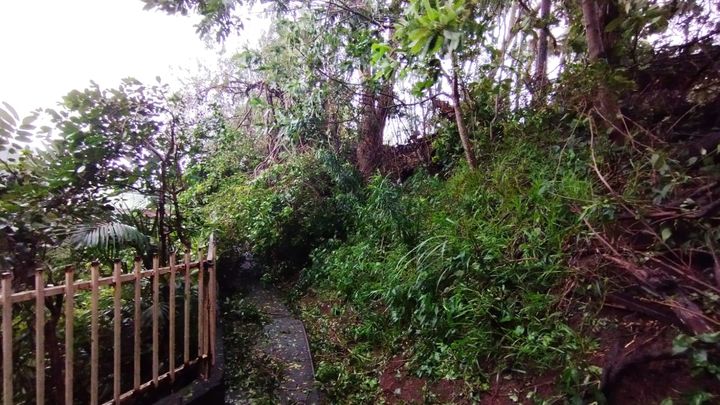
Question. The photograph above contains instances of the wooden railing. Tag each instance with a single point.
(202, 271)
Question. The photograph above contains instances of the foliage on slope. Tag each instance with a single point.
(463, 275)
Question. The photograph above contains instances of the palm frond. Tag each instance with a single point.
(108, 236)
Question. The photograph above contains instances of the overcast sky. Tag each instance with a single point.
(49, 47)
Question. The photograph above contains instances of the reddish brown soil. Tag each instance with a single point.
(400, 388)
(511, 391)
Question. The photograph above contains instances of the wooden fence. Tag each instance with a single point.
(205, 281)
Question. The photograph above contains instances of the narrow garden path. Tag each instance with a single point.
(285, 341)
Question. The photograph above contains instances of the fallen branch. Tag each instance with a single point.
(687, 311)
(716, 260)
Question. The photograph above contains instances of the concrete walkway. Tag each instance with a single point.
(285, 340)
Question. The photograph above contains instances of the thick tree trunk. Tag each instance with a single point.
(375, 110)
(368, 144)
(462, 130)
(595, 15)
(593, 30)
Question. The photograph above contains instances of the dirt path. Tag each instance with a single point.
(285, 340)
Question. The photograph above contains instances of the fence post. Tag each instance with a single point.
(136, 325)
(171, 308)
(212, 298)
(155, 319)
(200, 300)
(69, 335)
(94, 331)
(7, 338)
(39, 338)
(117, 319)
(186, 310)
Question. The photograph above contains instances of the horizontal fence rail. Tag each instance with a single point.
(199, 274)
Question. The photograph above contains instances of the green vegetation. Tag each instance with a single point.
(285, 212)
(464, 201)
(462, 270)
(458, 274)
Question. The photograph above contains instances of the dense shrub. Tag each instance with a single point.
(287, 211)
(462, 270)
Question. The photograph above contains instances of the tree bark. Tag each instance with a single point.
(542, 53)
(179, 221)
(178, 185)
(593, 30)
(375, 110)
(595, 13)
(331, 125)
(462, 130)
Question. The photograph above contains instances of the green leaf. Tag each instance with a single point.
(614, 24)
(700, 356)
(417, 34)
(432, 14)
(426, 5)
(418, 45)
(682, 343)
(666, 233)
(256, 102)
(378, 50)
(709, 337)
(105, 235)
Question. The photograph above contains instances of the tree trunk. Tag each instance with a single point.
(162, 234)
(462, 130)
(332, 127)
(593, 30)
(542, 53)
(606, 104)
(375, 109)
(182, 236)
(178, 185)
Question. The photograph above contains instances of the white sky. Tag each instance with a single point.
(49, 47)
